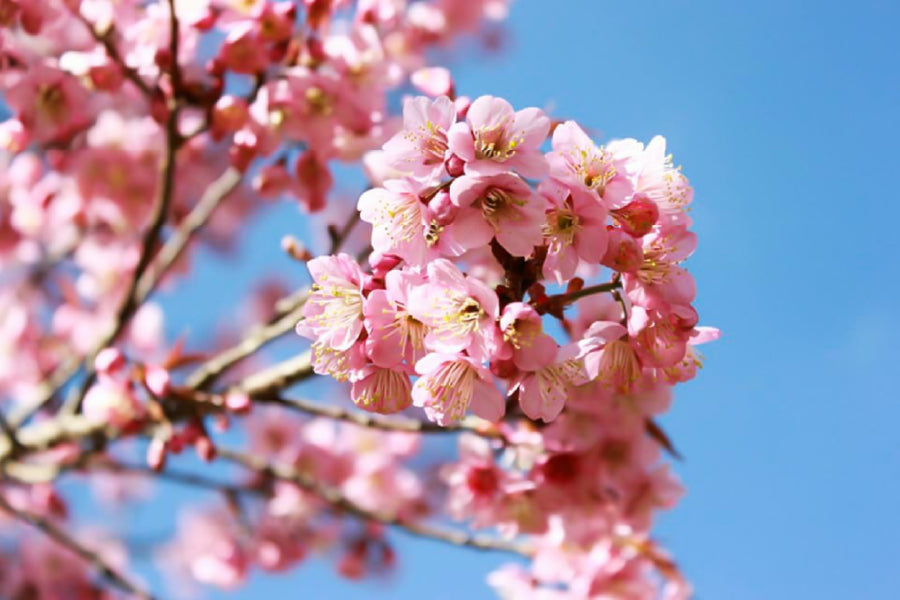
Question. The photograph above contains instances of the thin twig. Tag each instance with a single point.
(49, 529)
(560, 300)
(471, 424)
(340, 502)
(212, 197)
(174, 34)
(10, 433)
(207, 373)
(106, 40)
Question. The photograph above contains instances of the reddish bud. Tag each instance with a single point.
(108, 361)
(156, 453)
(238, 402)
(205, 449)
(455, 166)
(442, 208)
(638, 217)
(157, 380)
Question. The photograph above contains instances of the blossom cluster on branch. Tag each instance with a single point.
(522, 290)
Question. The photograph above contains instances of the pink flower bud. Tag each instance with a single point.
(156, 454)
(442, 207)
(158, 380)
(107, 77)
(109, 360)
(455, 166)
(272, 180)
(205, 449)
(382, 263)
(238, 402)
(638, 217)
(315, 181)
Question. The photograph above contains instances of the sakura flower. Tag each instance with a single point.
(521, 327)
(609, 356)
(508, 205)
(543, 391)
(663, 184)
(421, 146)
(659, 281)
(50, 103)
(476, 482)
(574, 228)
(380, 390)
(495, 139)
(576, 160)
(450, 384)
(394, 334)
(404, 226)
(242, 51)
(461, 311)
(333, 313)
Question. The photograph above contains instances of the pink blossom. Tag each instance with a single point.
(521, 327)
(404, 226)
(433, 81)
(495, 139)
(450, 384)
(574, 228)
(333, 313)
(49, 102)
(460, 311)
(394, 334)
(543, 391)
(508, 205)
(577, 161)
(609, 355)
(660, 281)
(421, 146)
(381, 390)
(664, 184)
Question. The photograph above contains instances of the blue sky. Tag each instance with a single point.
(784, 115)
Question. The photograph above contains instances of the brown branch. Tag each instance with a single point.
(339, 502)
(49, 529)
(560, 300)
(212, 197)
(175, 69)
(283, 322)
(363, 419)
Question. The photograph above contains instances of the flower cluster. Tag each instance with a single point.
(467, 322)
(472, 225)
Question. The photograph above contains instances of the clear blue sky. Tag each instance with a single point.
(785, 115)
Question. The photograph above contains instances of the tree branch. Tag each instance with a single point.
(49, 529)
(338, 501)
(212, 197)
(560, 300)
(106, 40)
(363, 419)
